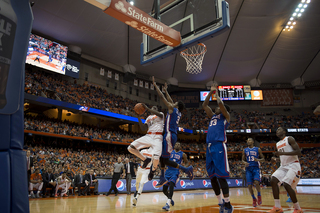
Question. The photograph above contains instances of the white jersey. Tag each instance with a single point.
(284, 146)
(155, 123)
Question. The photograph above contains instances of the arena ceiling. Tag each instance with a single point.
(254, 47)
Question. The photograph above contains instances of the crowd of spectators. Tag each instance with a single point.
(94, 96)
(101, 161)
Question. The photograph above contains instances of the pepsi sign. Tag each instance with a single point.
(120, 185)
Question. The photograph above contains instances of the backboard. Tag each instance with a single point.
(196, 20)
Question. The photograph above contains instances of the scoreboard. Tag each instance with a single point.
(234, 93)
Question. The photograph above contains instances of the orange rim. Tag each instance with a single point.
(201, 44)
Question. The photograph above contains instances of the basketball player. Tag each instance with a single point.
(142, 176)
(289, 172)
(250, 157)
(172, 174)
(35, 182)
(170, 136)
(63, 182)
(37, 58)
(216, 158)
(153, 138)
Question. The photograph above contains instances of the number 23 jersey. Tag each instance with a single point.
(217, 129)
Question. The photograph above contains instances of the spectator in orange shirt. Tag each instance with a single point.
(35, 182)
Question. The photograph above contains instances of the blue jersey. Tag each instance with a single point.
(176, 157)
(172, 121)
(251, 154)
(217, 129)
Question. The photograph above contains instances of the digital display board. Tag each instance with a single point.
(47, 54)
(235, 93)
(231, 93)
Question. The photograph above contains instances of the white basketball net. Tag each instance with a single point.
(194, 57)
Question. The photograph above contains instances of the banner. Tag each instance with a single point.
(277, 97)
(183, 184)
(109, 74)
(116, 76)
(102, 71)
(146, 85)
(140, 83)
(135, 82)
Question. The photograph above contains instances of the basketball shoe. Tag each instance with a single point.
(298, 211)
(254, 202)
(259, 200)
(276, 210)
(161, 182)
(221, 209)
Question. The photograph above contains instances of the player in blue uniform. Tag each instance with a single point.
(172, 174)
(216, 158)
(250, 157)
(170, 136)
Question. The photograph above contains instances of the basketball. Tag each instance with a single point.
(139, 108)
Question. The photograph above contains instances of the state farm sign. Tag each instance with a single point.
(136, 18)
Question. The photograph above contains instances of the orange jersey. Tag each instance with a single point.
(35, 176)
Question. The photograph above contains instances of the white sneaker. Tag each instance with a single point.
(134, 201)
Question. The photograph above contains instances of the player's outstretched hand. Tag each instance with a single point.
(154, 83)
(165, 86)
(273, 159)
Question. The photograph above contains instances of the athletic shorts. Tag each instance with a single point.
(252, 174)
(217, 160)
(172, 176)
(169, 140)
(149, 140)
(289, 174)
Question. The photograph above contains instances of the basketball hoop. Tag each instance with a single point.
(194, 57)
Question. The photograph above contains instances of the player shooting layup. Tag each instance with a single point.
(289, 172)
(153, 138)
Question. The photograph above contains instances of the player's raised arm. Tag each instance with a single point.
(143, 127)
(223, 109)
(168, 104)
(167, 94)
(153, 111)
(205, 104)
(317, 110)
(261, 155)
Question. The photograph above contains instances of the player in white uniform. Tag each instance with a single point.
(153, 138)
(142, 175)
(289, 172)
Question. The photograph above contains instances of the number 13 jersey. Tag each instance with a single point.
(284, 146)
(217, 129)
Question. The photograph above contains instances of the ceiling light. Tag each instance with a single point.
(284, 29)
(289, 22)
(294, 14)
(308, 1)
(131, 2)
(287, 26)
(294, 23)
(300, 5)
(297, 10)
(303, 1)
(291, 18)
(289, 30)
(305, 6)
(291, 27)
(299, 14)
(302, 10)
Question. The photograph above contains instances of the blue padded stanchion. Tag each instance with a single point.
(5, 192)
(19, 186)
(13, 163)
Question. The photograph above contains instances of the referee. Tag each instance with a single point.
(118, 169)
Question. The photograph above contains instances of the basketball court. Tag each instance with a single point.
(195, 201)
